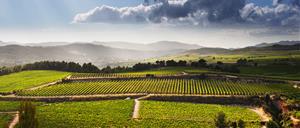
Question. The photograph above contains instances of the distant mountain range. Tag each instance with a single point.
(157, 46)
(108, 53)
(279, 43)
(86, 52)
(282, 45)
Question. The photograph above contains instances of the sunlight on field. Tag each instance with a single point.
(28, 79)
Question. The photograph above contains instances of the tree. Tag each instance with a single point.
(241, 124)
(220, 121)
(27, 115)
(181, 63)
(202, 63)
(171, 63)
(241, 62)
(161, 63)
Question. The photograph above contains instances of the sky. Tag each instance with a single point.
(213, 23)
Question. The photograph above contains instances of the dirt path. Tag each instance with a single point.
(263, 115)
(14, 121)
(137, 104)
(44, 85)
(136, 109)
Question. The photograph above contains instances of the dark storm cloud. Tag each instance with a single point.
(216, 10)
(283, 13)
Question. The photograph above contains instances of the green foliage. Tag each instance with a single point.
(28, 79)
(27, 115)
(272, 124)
(220, 121)
(158, 86)
(296, 114)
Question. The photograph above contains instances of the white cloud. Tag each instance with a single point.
(107, 14)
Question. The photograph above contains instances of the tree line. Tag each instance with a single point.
(90, 68)
(52, 65)
(219, 66)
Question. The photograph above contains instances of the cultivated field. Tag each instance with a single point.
(203, 115)
(159, 86)
(165, 71)
(28, 79)
(118, 113)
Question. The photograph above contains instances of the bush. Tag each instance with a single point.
(220, 121)
(241, 124)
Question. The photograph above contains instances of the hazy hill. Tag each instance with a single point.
(207, 51)
(79, 52)
(275, 46)
(279, 43)
(157, 46)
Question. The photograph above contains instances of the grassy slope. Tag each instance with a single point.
(260, 56)
(276, 71)
(28, 79)
(118, 113)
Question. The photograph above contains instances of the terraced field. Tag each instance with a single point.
(28, 79)
(165, 71)
(118, 113)
(159, 86)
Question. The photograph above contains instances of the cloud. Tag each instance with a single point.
(107, 14)
(283, 13)
(164, 10)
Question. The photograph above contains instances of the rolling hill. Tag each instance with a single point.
(79, 52)
(157, 46)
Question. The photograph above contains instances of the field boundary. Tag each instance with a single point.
(210, 99)
(70, 98)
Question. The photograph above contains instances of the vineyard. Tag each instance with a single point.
(105, 75)
(165, 71)
(118, 113)
(159, 86)
(201, 114)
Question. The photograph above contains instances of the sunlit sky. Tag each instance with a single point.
(203, 23)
